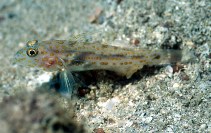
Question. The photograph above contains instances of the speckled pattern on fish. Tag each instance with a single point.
(83, 55)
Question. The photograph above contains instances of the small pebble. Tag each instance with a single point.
(178, 67)
(169, 70)
(148, 119)
(176, 85)
(95, 16)
(203, 126)
(82, 91)
(99, 130)
(134, 41)
(184, 76)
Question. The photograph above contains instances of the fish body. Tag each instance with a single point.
(81, 54)
(55, 55)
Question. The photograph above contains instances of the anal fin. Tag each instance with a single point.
(127, 71)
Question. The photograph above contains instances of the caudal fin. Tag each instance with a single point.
(183, 56)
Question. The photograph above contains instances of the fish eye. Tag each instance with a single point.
(32, 52)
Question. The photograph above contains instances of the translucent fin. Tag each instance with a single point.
(161, 57)
(174, 55)
(188, 56)
(93, 36)
(67, 83)
(183, 56)
(127, 71)
(170, 56)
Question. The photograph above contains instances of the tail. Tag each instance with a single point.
(171, 57)
(188, 56)
(174, 56)
(183, 56)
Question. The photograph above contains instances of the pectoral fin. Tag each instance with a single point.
(67, 83)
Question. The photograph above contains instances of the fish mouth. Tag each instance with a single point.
(17, 58)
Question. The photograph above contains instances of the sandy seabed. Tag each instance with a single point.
(173, 98)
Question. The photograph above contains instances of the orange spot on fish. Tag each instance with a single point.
(50, 62)
(125, 63)
(44, 59)
(43, 52)
(103, 63)
(104, 46)
(51, 54)
(60, 63)
(60, 42)
(142, 61)
(56, 51)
